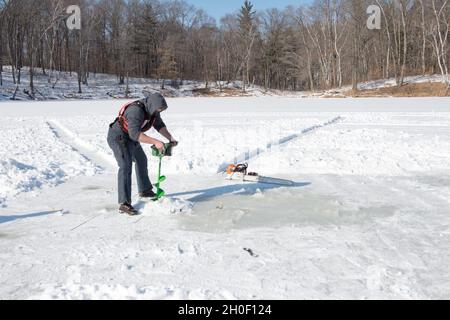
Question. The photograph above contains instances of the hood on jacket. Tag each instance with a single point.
(153, 102)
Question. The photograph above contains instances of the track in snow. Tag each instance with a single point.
(101, 159)
(247, 156)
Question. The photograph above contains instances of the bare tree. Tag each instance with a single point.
(424, 36)
(438, 31)
(340, 36)
(3, 5)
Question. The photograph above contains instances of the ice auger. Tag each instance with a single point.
(166, 152)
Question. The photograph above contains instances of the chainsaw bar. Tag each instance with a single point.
(253, 177)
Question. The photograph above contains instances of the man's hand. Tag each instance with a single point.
(174, 142)
(159, 145)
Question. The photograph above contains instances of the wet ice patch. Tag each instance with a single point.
(275, 209)
(441, 180)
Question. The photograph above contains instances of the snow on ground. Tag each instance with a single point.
(104, 86)
(366, 218)
(99, 86)
(383, 83)
(64, 86)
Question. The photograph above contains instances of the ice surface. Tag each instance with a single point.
(368, 216)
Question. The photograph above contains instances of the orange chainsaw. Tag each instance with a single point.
(240, 172)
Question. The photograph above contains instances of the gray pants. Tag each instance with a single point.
(127, 151)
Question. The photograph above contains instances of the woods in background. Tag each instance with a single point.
(319, 46)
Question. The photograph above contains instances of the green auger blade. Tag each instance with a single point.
(162, 179)
(161, 193)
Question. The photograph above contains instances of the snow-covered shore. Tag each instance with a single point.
(64, 86)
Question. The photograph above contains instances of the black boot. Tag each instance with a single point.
(149, 194)
(128, 209)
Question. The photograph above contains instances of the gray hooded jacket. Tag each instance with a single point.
(142, 115)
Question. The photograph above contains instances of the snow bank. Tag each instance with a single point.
(32, 156)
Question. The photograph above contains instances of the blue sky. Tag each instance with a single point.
(218, 8)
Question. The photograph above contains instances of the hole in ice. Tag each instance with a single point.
(91, 188)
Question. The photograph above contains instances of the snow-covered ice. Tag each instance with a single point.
(368, 215)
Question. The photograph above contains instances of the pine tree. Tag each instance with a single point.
(246, 18)
(247, 34)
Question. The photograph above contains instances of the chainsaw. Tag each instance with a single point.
(240, 172)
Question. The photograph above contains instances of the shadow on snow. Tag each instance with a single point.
(241, 189)
(5, 219)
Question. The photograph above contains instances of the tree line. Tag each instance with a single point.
(322, 45)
